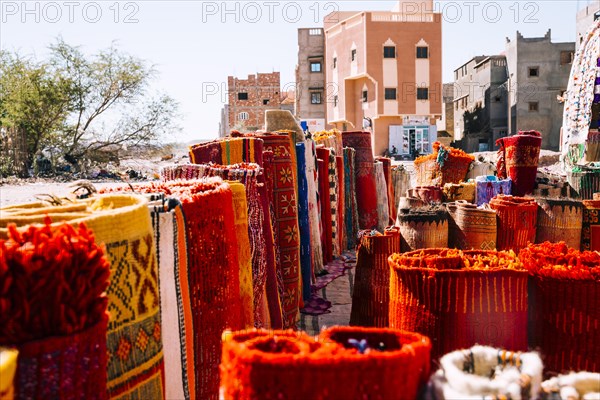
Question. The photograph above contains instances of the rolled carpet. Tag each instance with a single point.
(517, 220)
(122, 223)
(366, 195)
(518, 158)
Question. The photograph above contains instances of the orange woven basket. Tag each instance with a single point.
(371, 294)
(564, 288)
(517, 219)
(287, 365)
(460, 298)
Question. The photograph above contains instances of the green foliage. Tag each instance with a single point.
(82, 104)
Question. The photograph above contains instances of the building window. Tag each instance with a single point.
(315, 66)
(315, 32)
(422, 52)
(365, 96)
(497, 99)
(353, 54)
(566, 57)
(315, 98)
(243, 96)
(335, 101)
(422, 93)
(533, 72)
(390, 93)
(265, 102)
(334, 62)
(533, 106)
(456, 105)
(389, 52)
(243, 116)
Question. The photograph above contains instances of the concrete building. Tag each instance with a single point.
(502, 94)
(480, 103)
(248, 99)
(386, 66)
(585, 18)
(446, 123)
(311, 94)
(538, 72)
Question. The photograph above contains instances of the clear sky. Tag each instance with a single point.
(195, 45)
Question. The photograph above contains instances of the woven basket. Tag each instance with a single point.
(67, 367)
(432, 291)
(423, 228)
(564, 287)
(371, 294)
(8, 369)
(585, 183)
(517, 219)
(576, 385)
(561, 311)
(461, 191)
(483, 372)
(286, 365)
(122, 223)
(590, 234)
(488, 187)
(471, 227)
(559, 221)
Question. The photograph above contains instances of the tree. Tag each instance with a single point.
(34, 101)
(112, 105)
(82, 104)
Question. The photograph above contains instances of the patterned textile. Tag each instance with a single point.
(240, 213)
(292, 365)
(333, 197)
(590, 234)
(383, 208)
(489, 187)
(134, 338)
(423, 228)
(330, 139)
(518, 158)
(285, 223)
(340, 181)
(64, 367)
(215, 297)
(577, 114)
(175, 305)
(303, 221)
(366, 196)
(350, 212)
(324, 200)
(313, 207)
(230, 150)
(247, 174)
(274, 274)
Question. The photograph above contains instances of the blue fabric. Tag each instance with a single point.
(303, 222)
(350, 212)
(489, 186)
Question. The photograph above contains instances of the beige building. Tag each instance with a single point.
(248, 99)
(387, 67)
(585, 18)
(311, 93)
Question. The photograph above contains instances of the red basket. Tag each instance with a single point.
(517, 221)
(433, 292)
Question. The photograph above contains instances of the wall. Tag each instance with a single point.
(259, 87)
(584, 19)
(311, 47)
